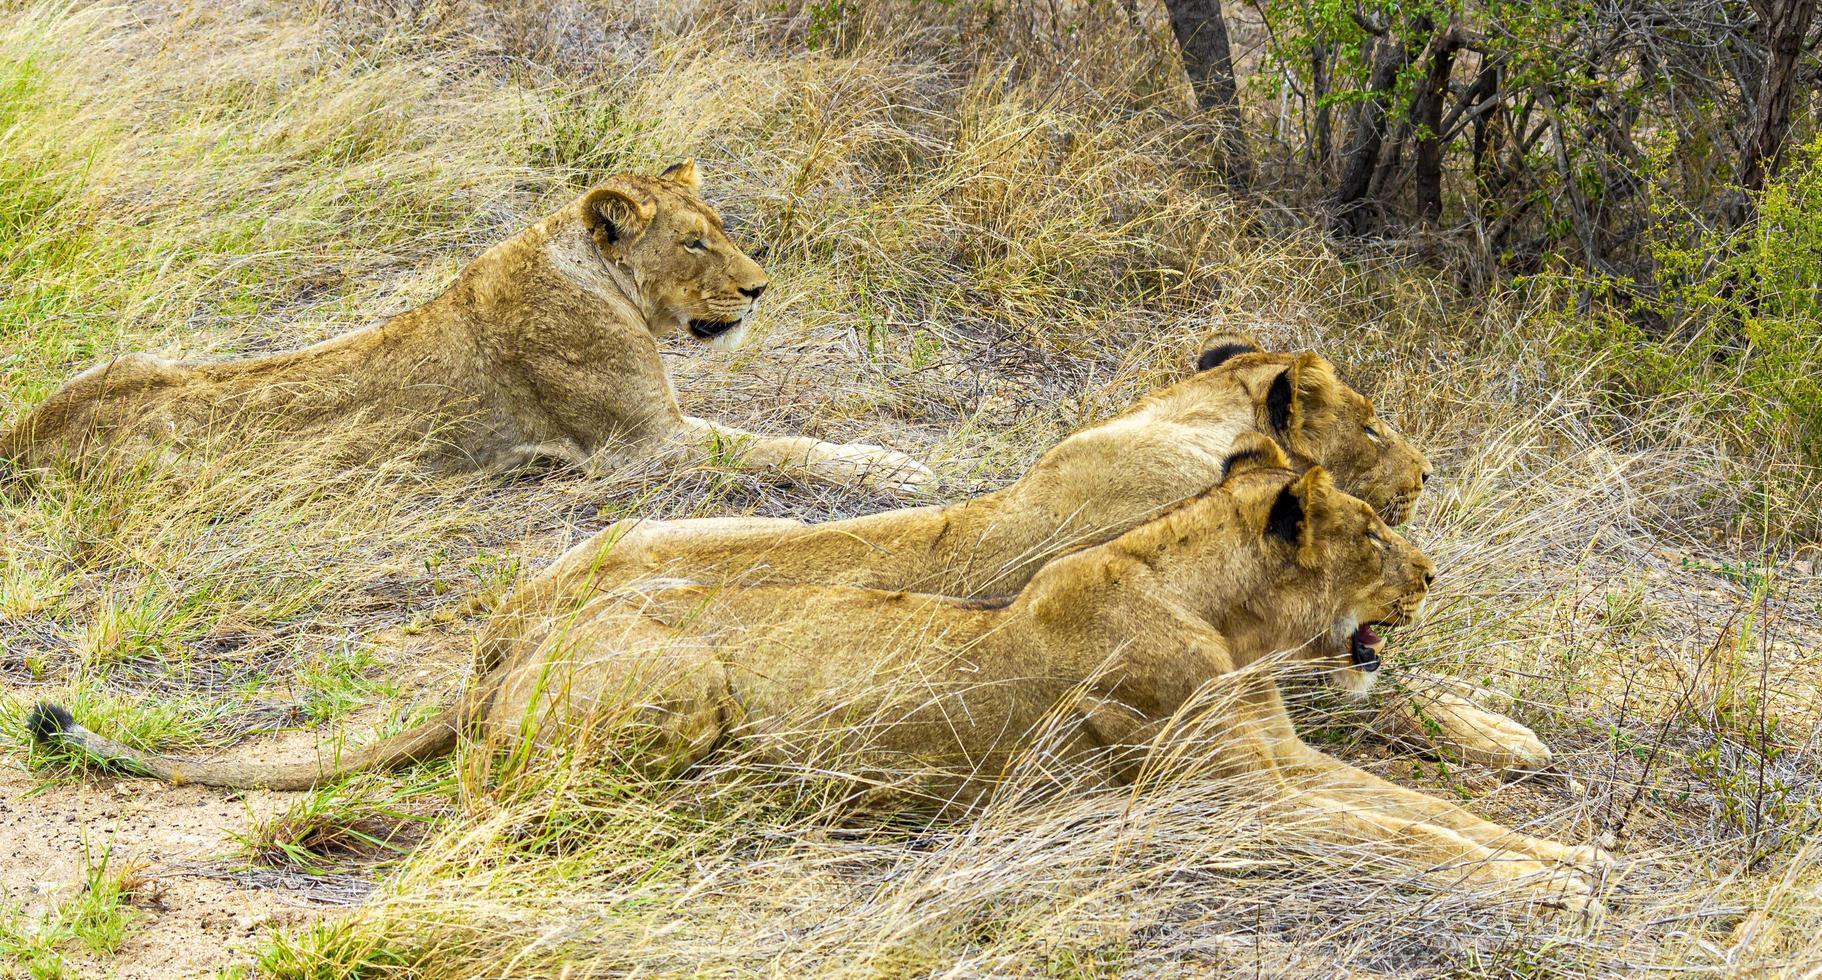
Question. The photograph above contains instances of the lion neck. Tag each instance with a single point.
(558, 253)
(1081, 491)
(1220, 394)
(1186, 563)
(1161, 561)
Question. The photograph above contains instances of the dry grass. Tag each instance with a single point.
(980, 236)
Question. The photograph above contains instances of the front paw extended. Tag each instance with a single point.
(874, 466)
(1434, 717)
(1551, 885)
(1569, 891)
(1589, 860)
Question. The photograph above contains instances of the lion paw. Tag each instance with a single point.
(1584, 859)
(1589, 858)
(875, 466)
(1583, 905)
(1440, 719)
(1569, 889)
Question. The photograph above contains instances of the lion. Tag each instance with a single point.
(1089, 488)
(544, 348)
(930, 701)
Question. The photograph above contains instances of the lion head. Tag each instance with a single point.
(685, 270)
(1331, 573)
(1320, 421)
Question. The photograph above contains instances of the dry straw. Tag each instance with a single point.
(979, 240)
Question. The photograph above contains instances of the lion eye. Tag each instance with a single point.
(696, 245)
(1374, 537)
(1371, 432)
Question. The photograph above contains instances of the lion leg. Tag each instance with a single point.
(1336, 799)
(838, 463)
(1444, 849)
(628, 688)
(1340, 781)
(1248, 737)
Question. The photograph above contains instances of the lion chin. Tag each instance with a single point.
(725, 334)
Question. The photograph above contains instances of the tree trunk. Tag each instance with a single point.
(1427, 117)
(1202, 37)
(1783, 26)
(1361, 156)
(1319, 90)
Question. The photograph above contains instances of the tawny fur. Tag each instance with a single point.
(1091, 487)
(929, 701)
(544, 348)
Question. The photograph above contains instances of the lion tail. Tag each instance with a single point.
(52, 724)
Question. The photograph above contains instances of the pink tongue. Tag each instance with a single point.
(1365, 635)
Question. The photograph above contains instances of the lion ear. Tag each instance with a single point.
(1297, 510)
(684, 173)
(616, 215)
(1253, 451)
(1300, 393)
(1224, 348)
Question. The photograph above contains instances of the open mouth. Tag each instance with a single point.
(712, 328)
(1365, 648)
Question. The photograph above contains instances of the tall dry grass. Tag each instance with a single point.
(985, 227)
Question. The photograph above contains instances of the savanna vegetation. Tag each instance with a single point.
(986, 224)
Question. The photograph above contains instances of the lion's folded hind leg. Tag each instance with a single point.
(627, 689)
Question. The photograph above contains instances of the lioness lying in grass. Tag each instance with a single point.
(545, 347)
(1091, 487)
(930, 701)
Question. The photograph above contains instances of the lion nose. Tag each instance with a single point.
(754, 292)
(1429, 579)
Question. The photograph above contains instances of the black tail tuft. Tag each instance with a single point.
(47, 721)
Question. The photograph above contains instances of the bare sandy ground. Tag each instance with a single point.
(190, 917)
(203, 906)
